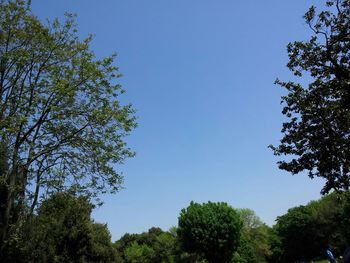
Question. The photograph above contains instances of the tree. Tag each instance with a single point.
(254, 245)
(153, 246)
(330, 220)
(305, 232)
(297, 232)
(275, 244)
(317, 133)
(346, 218)
(101, 248)
(136, 253)
(61, 122)
(164, 248)
(211, 230)
(62, 231)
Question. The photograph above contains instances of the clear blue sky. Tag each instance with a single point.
(200, 74)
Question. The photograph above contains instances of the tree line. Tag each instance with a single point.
(63, 231)
(304, 233)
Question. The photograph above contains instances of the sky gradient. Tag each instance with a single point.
(200, 74)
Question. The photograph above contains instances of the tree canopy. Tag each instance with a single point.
(254, 246)
(61, 231)
(305, 232)
(316, 136)
(211, 230)
(153, 246)
(62, 126)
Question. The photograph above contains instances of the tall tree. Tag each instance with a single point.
(61, 122)
(211, 230)
(317, 133)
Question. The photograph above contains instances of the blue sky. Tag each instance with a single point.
(200, 74)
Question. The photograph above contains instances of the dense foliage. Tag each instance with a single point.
(302, 234)
(62, 231)
(317, 133)
(61, 123)
(153, 246)
(305, 232)
(254, 245)
(211, 230)
(166, 246)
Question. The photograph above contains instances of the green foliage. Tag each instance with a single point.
(64, 222)
(330, 221)
(276, 248)
(64, 232)
(154, 246)
(254, 245)
(211, 230)
(164, 248)
(305, 232)
(101, 248)
(136, 253)
(297, 232)
(245, 252)
(61, 123)
(345, 218)
(316, 135)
